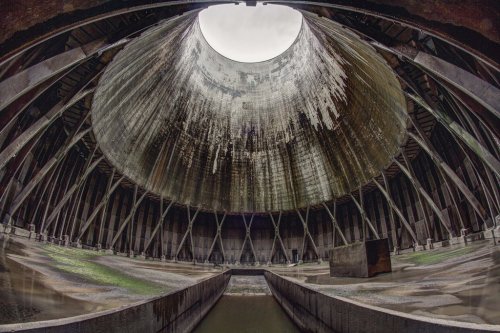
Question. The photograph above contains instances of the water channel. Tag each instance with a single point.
(246, 314)
(247, 306)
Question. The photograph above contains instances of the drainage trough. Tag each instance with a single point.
(311, 311)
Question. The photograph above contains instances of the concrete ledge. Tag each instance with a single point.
(313, 311)
(178, 311)
(492, 233)
(247, 271)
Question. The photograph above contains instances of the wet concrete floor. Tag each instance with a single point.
(25, 297)
(44, 281)
(456, 283)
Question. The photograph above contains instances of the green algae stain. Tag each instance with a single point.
(72, 252)
(437, 256)
(80, 263)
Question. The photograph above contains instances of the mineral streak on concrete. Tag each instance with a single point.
(305, 127)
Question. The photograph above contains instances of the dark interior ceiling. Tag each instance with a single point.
(28, 40)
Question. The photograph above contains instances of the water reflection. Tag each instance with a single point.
(246, 314)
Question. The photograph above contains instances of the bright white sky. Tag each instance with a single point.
(250, 34)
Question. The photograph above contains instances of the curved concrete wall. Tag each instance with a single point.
(178, 311)
(316, 312)
(307, 126)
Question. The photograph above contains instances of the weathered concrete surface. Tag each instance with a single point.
(362, 259)
(228, 247)
(464, 22)
(19, 84)
(178, 311)
(457, 283)
(316, 312)
(19, 16)
(249, 285)
(45, 282)
(247, 271)
(433, 289)
(305, 127)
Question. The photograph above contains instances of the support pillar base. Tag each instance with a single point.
(417, 247)
(7, 229)
(32, 234)
(66, 240)
(43, 237)
(7, 221)
(429, 244)
(458, 240)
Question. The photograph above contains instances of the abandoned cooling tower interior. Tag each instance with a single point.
(249, 166)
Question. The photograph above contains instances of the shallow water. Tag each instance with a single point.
(246, 314)
(25, 296)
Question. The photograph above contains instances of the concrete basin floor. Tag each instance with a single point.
(456, 283)
(43, 281)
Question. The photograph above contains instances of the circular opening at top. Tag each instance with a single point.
(250, 33)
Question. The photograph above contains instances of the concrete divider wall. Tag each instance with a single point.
(313, 311)
(178, 311)
(247, 271)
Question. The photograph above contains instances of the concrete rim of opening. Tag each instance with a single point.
(273, 54)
